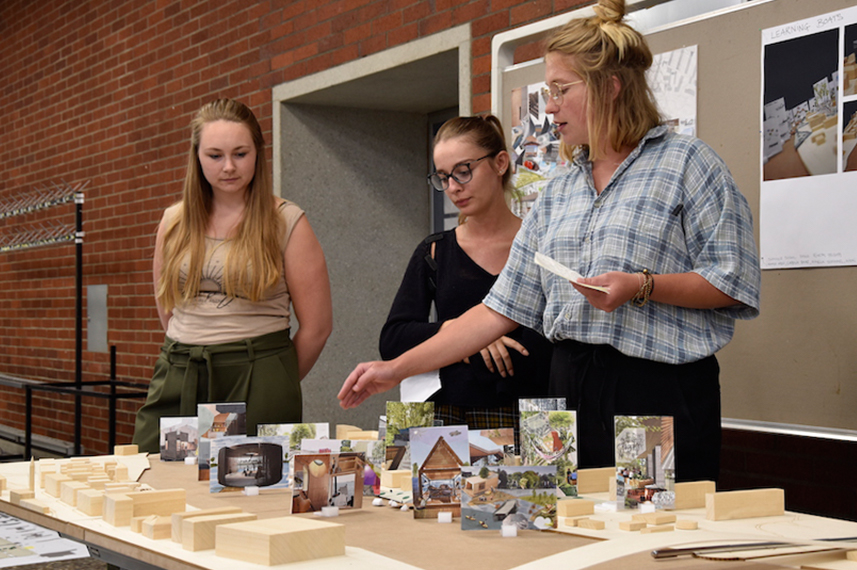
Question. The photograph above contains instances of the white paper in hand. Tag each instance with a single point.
(570, 274)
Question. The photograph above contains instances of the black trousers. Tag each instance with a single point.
(600, 382)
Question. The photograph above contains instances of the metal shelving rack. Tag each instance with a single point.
(42, 235)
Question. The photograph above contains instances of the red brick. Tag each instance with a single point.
(530, 12)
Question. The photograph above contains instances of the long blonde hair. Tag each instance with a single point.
(604, 47)
(254, 262)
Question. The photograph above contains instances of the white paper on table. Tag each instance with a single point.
(418, 388)
(564, 272)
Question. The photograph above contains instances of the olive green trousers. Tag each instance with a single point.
(260, 371)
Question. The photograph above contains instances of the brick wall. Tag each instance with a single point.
(103, 91)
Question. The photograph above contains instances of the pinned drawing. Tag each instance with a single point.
(550, 438)
(237, 462)
(491, 446)
(401, 417)
(327, 480)
(524, 496)
(179, 438)
(214, 421)
(437, 455)
(296, 433)
(645, 460)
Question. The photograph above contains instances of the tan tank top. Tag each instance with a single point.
(215, 318)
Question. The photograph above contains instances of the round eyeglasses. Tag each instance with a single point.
(555, 91)
(461, 173)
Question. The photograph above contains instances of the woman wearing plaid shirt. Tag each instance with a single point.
(653, 217)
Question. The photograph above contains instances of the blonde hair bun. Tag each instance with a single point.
(610, 11)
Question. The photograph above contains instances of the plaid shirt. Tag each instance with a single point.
(671, 207)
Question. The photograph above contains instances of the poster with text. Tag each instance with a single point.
(808, 190)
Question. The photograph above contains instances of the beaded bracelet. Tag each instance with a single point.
(647, 285)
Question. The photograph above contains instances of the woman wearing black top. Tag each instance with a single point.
(455, 269)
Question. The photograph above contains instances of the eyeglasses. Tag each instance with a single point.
(556, 90)
(461, 173)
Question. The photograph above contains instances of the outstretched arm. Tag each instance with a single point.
(468, 334)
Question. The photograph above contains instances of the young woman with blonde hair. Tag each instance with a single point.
(231, 260)
(652, 216)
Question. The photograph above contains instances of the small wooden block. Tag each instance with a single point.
(632, 525)
(595, 480)
(2, 483)
(125, 487)
(53, 482)
(393, 479)
(69, 490)
(158, 502)
(137, 524)
(659, 528)
(18, 495)
(362, 435)
(574, 507)
(198, 533)
(655, 518)
(125, 449)
(35, 505)
(573, 521)
(684, 524)
(157, 527)
(97, 481)
(851, 555)
(178, 518)
(118, 509)
(691, 495)
(91, 502)
(732, 505)
(591, 524)
(343, 430)
(120, 473)
(280, 541)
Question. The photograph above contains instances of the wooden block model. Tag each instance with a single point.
(632, 525)
(159, 502)
(136, 523)
(851, 554)
(734, 505)
(157, 527)
(123, 487)
(120, 473)
(53, 482)
(69, 490)
(691, 495)
(656, 518)
(658, 528)
(343, 429)
(198, 533)
(574, 507)
(362, 435)
(393, 479)
(118, 509)
(830, 122)
(573, 521)
(35, 505)
(591, 524)
(819, 138)
(45, 469)
(97, 481)
(683, 524)
(280, 541)
(90, 502)
(179, 518)
(595, 480)
(125, 450)
(2, 483)
(18, 495)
